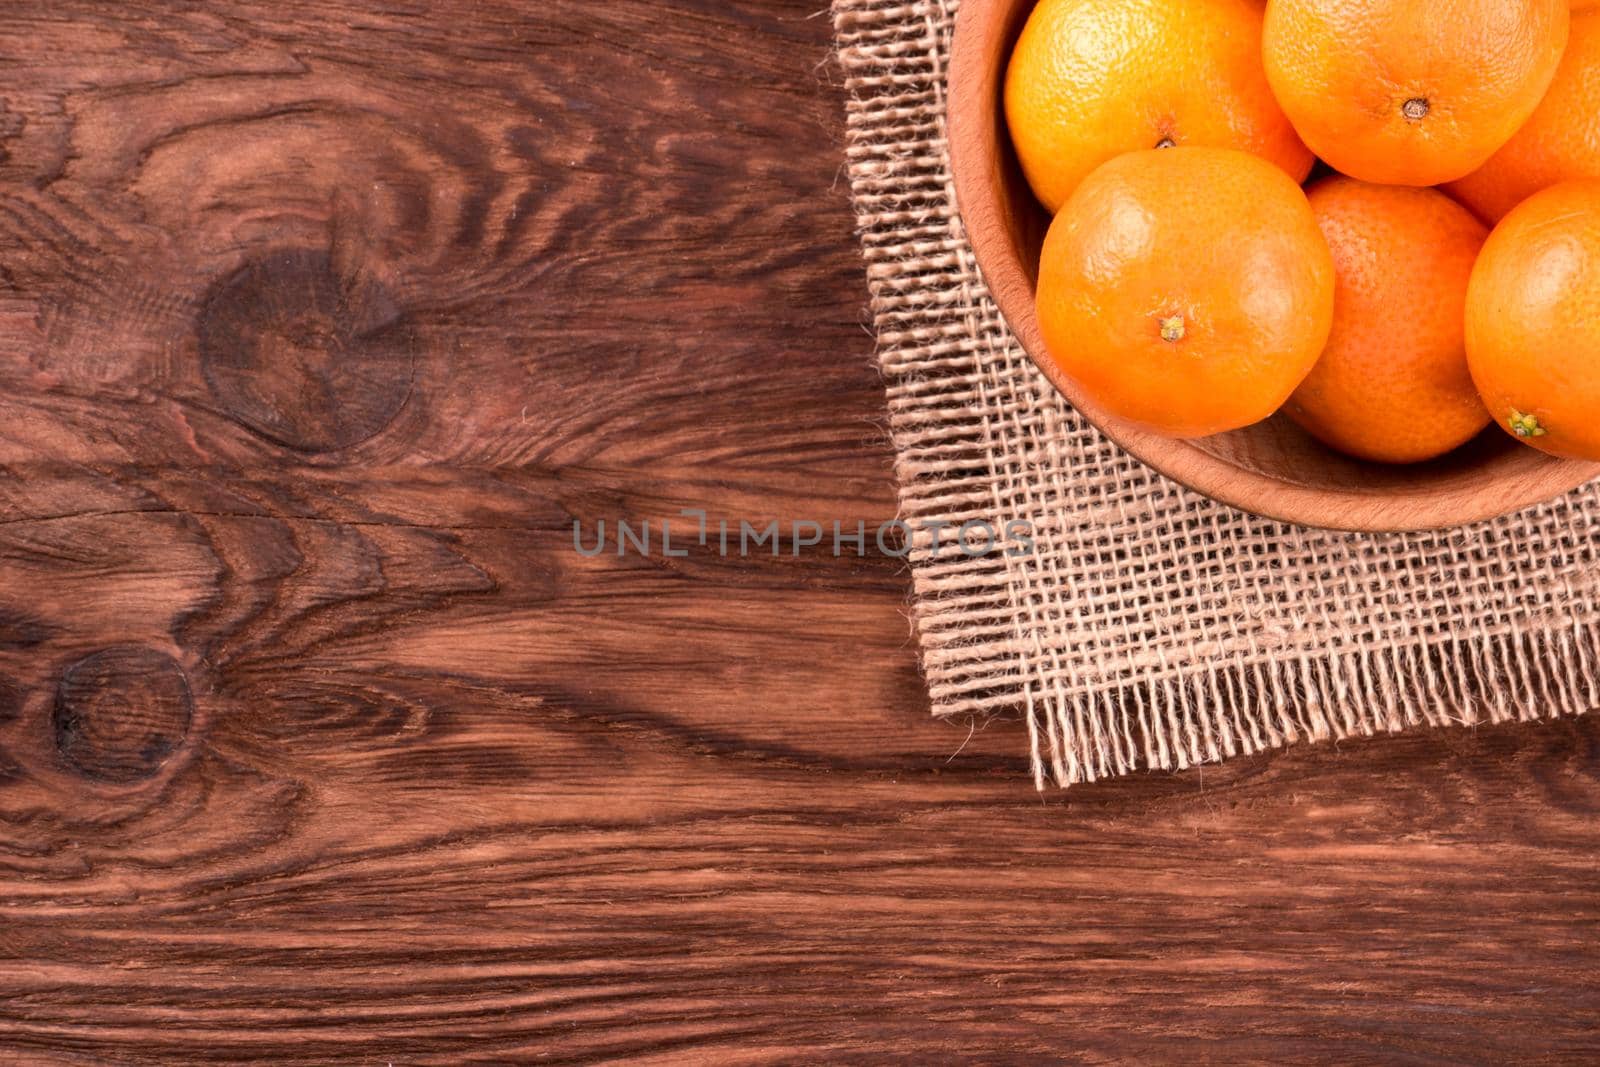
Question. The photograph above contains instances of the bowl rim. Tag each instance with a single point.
(974, 121)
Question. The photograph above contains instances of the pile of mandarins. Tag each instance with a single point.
(1189, 283)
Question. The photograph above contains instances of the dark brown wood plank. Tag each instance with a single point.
(319, 743)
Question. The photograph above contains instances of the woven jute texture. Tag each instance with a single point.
(1151, 627)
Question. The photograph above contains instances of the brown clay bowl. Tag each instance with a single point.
(1273, 468)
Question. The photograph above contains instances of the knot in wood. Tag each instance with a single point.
(303, 355)
(121, 712)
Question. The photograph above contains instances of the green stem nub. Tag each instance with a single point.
(1525, 425)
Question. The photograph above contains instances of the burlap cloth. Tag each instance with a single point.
(1152, 627)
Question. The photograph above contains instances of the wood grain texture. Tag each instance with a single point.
(1272, 468)
(319, 326)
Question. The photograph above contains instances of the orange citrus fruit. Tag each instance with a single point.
(1533, 321)
(1393, 385)
(1091, 79)
(1560, 141)
(1411, 92)
(1186, 289)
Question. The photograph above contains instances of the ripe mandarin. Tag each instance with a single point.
(1560, 141)
(1186, 289)
(1533, 321)
(1392, 384)
(1091, 79)
(1411, 92)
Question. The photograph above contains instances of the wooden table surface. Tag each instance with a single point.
(320, 324)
